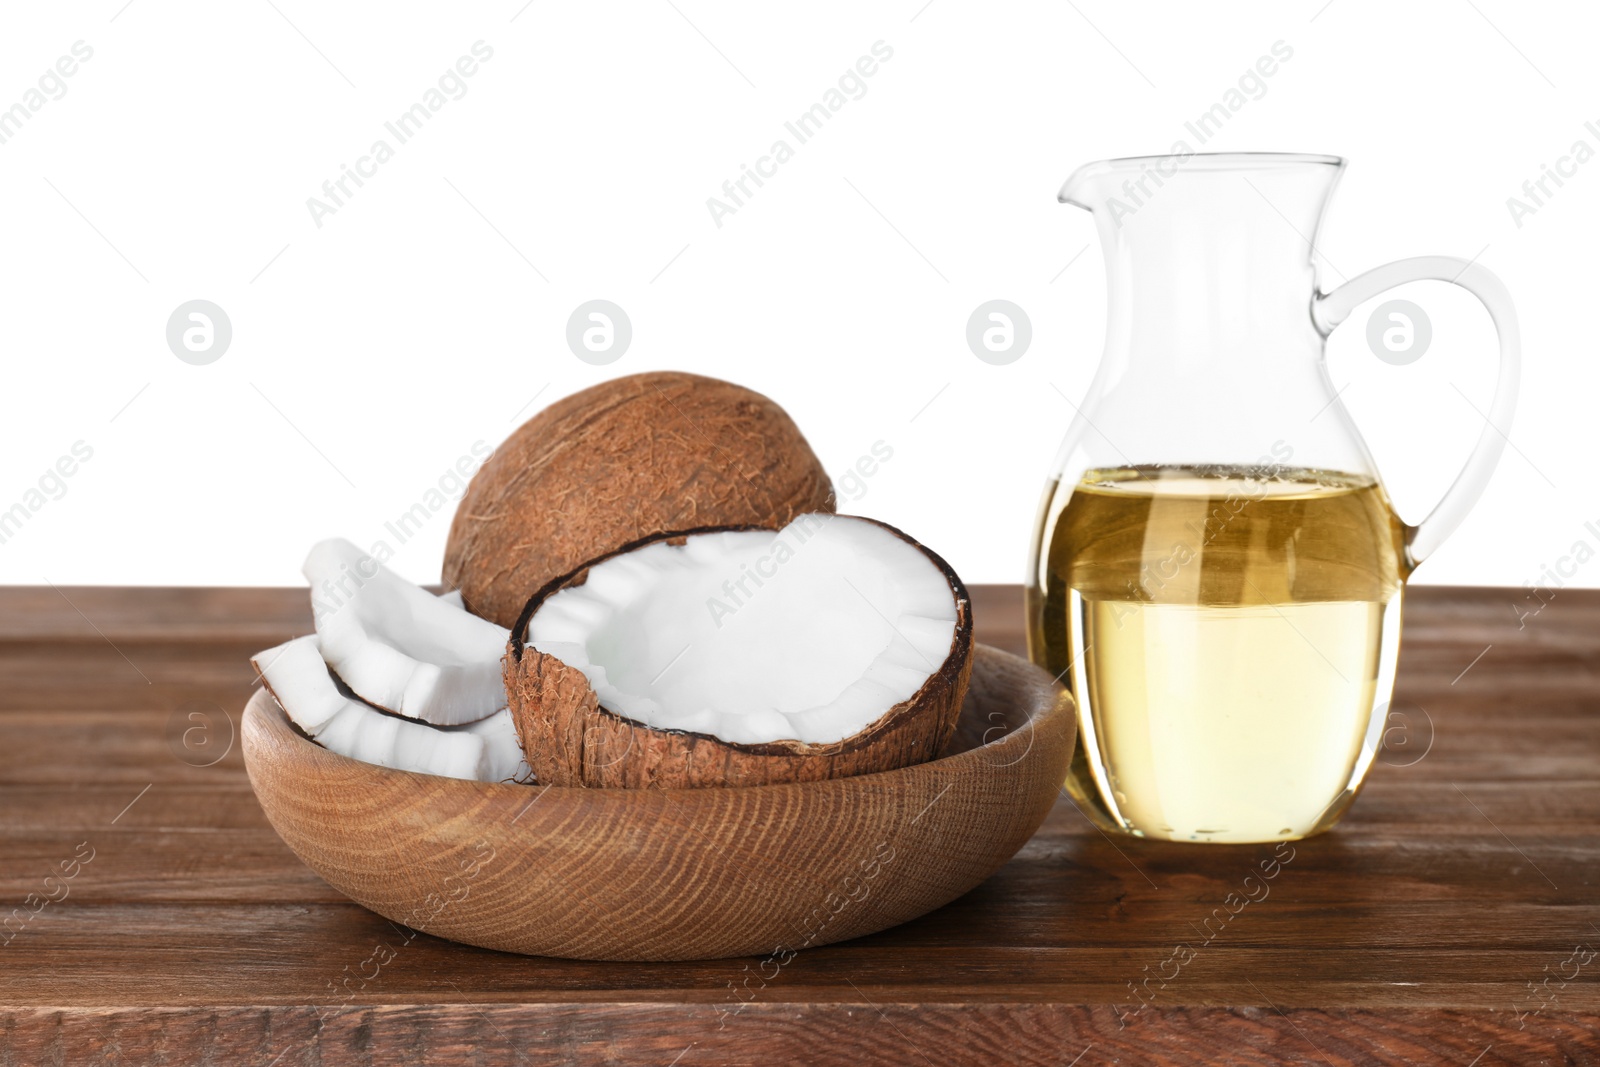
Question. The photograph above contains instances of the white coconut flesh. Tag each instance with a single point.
(400, 647)
(303, 685)
(502, 752)
(811, 633)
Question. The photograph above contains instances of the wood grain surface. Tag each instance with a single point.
(1452, 917)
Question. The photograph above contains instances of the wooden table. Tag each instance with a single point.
(1453, 917)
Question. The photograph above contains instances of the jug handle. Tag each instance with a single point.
(1328, 310)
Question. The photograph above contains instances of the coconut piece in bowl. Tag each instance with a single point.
(310, 694)
(834, 646)
(502, 758)
(397, 645)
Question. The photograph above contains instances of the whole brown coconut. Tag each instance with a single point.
(569, 739)
(622, 460)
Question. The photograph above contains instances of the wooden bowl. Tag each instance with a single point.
(615, 874)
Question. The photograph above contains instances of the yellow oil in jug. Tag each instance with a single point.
(1224, 635)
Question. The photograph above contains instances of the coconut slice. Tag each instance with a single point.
(400, 647)
(310, 695)
(503, 760)
(834, 646)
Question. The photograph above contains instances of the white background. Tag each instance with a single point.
(371, 353)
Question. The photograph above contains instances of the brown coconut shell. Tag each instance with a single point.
(618, 461)
(569, 739)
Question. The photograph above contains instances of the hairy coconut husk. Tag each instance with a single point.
(568, 739)
(619, 461)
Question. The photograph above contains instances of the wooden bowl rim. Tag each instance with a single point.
(1049, 701)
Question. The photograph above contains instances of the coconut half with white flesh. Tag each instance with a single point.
(397, 645)
(736, 656)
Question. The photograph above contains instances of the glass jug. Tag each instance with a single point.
(1217, 570)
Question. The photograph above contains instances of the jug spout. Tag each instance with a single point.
(1088, 187)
